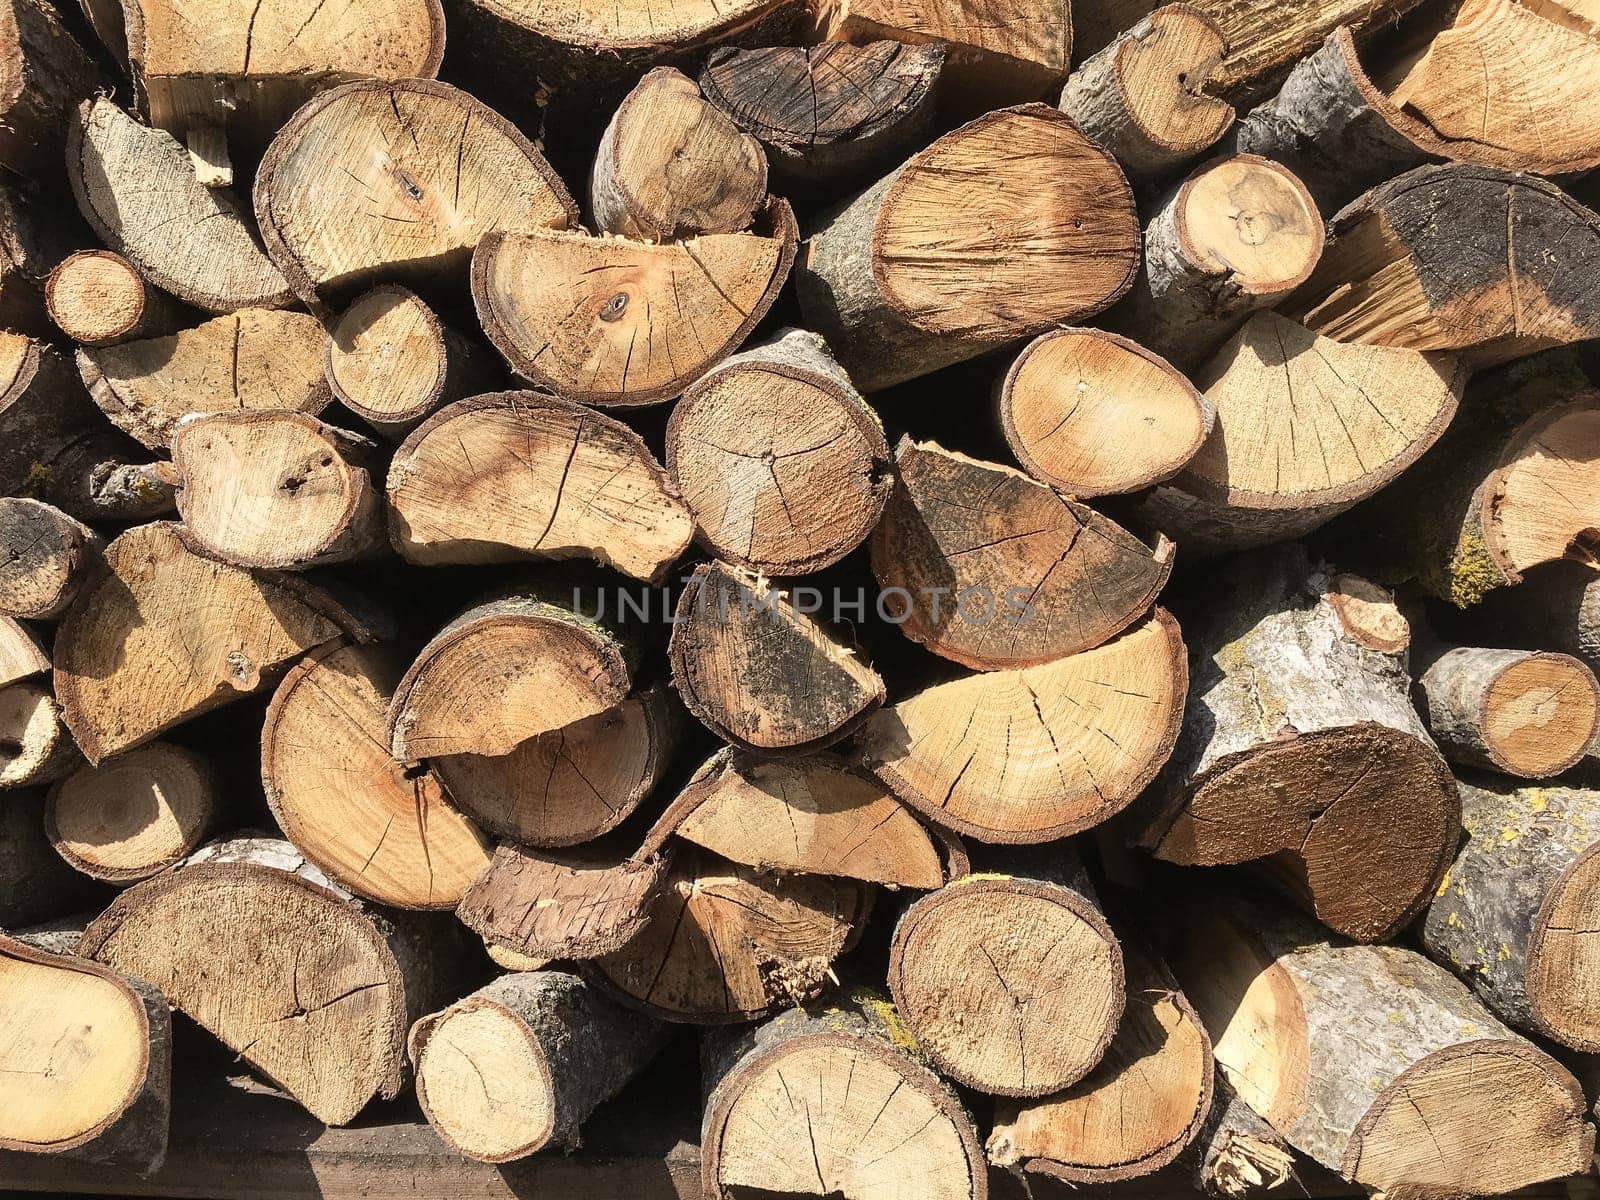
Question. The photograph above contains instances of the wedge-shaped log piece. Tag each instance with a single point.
(382, 830)
(44, 75)
(1372, 1060)
(45, 555)
(758, 671)
(21, 655)
(257, 358)
(136, 188)
(1027, 577)
(36, 884)
(36, 747)
(1039, 753)
(166, 634)
(512, 476)
(396, 179)
(610, 321)
(97, 298)
(85, 1060)
(524, 1061)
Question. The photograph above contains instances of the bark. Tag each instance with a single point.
(35, 745)
(47, 75)
(35, 884)
(1556, 608)
(45, 556)
(97, 298)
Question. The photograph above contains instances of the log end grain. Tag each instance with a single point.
(96, 296)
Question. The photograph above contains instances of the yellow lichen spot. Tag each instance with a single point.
(1473, 573)
(1396, 1018)
(38, 480)
(1536, 800)
(1375, 1083)
(1444, 885)
(1454, 919)
(1469, 1029)
(879, 1007)
(1508, 835)
(1505, 952)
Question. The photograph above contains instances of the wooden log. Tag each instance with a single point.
(1301, 750)
(305, 985)
(572, 784)
(1374, 410)
(392, 362)
(723, 943)
(45, 555)
(1372, 1060)
(1238, 234)
(434, 171)
(136, 188)
(523, 1062)
(830, 116)
(1010, 979)
(1091, 413)
(1237, 1154)
(758, 671)
(36, 884)
(836, 1100)
(21, 655)
(97, 298)
(671, 165)
(1029, 577)
(135, 815)
(816, 815)
(503, 671)
(781, 461)
(35, 235)
(1144, 98)
(47, 74)
(1557, 606)
(1040, 753)
(617, 322)
(1264, 40)
(939, 260)
(35, 746)
(382, 830)
(511, 476)
(1141, 1106)
(165, 634)
(85, 1060)
(1512, 915)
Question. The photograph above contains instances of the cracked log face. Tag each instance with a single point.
(1039, 753)
(1024, 577)
(513, 476)
(384, 830)
(397, 179)
(611, 321)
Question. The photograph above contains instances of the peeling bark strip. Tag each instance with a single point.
(45, 556)
(1372, 1060)
(511, 476)
(952, 254)
(837, 1101)
(35, 745)
(97, 298)
(396, 180)
(36, 884)
(524, 1061)
(1301, 751)
(1039, 753)
(996, 572)
(611, 321)
(85, 1061)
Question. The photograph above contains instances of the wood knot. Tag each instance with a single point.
(408, 183)
(613, 308)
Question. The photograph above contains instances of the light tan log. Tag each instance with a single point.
(21, 655)
(97, 297)
(36, 747)
(44, 75)
(45, 555)
(36, 884)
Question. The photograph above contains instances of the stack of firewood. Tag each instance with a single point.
(1030, 573)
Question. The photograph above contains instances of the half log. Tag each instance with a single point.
(21, 655)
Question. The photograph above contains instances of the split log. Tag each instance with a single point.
(306, 986)
(671, 165)
(781, 461)
(135, 815)
(276, 489)
(834, 1101)
(1236, 1153)
(1012, 982)
(504, 671)
(1345, 419)
(1028, 577)
(97, 297)
(612, 321)
(1138, 1110)
(21, 655)
(833, 115)
(380, 829)
(1301, 750)
(572, 784)
(85, 1060)
(35, 235)
(259, 359)
(1091, 413)
(1397, 270)
(512, 476)
(392, 362)
(1239, 234)
(723, 943)
(45, 555)
(523, 1062)
(1513, 915)
(954, 253)
(1040, 753)
(396, 179)
(45, 75)
(36, 884)
(1372, 1060)
(1144, 98)
(816, 815)
(758, 671)
(35, 745)
(136, 188)
(166, 634)
(1265, 40)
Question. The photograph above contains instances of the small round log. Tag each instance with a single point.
(45, 556)
(97, 297)
(35, 745)
(35, 235)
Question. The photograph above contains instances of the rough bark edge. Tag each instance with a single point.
(1535, 955)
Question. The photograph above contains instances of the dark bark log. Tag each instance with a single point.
(45, 556)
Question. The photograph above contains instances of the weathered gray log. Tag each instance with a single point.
(44, 556)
